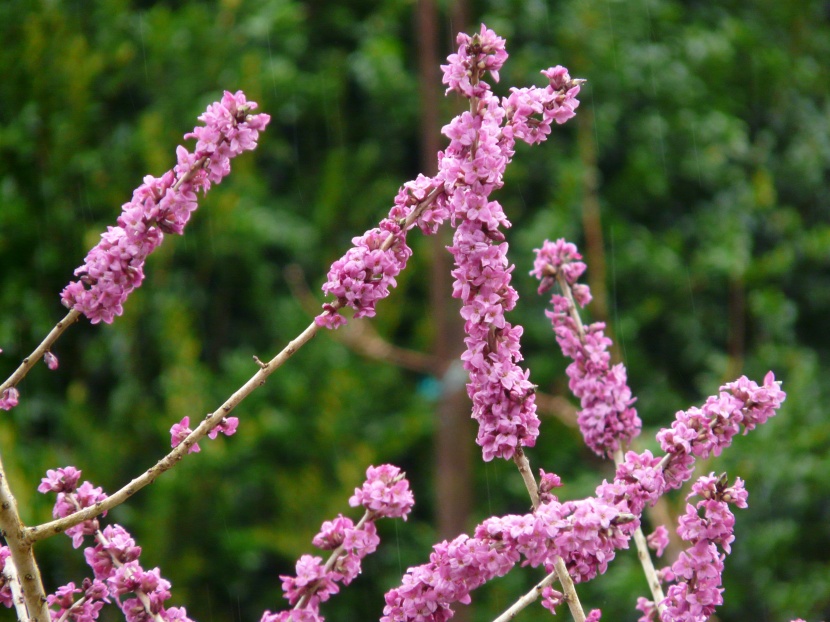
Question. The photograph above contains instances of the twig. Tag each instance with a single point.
(527, 599)
(38, 353)
(39, 532)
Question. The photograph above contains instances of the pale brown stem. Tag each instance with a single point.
(527, 599)
(38, 353)
(14, 532)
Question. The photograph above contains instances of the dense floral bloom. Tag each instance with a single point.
(71, 499)
(115, 267)
(385, 492)
(86, 608)
(696, 590)
(607, 419)
(585, 533)
(481, 145)
(367, 271)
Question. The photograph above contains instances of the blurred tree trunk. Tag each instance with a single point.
(454, 432)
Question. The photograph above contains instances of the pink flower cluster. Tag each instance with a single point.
(365, 273)
(696, 575)
(607, 419)
(64, 606)
(481, 145)
(180, 431)
(113, 559)
(584, 533)
(115, 267)
(385, 493)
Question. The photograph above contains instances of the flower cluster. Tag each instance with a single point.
(64, 606)
(115, 267)
(481, 145)
(696, 575)
(385, 493)
(180, 431)
(584, 533)
(365, 273)
(113, 559)
(72, 498)
(710, 428)
(607, 419)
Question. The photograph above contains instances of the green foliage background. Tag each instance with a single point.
(711, 126)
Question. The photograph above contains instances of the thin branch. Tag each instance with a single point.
(527, 599)
(38, 353)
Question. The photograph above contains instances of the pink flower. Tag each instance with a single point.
(312, 580)
(60, 480)
(227, 427)
(51, 360)
(9, 398)
(659, 539)
(181, 431)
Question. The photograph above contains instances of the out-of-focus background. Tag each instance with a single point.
(695, 178)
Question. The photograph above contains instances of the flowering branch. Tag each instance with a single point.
(607, 420)
(385, 493)
(33, 534)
